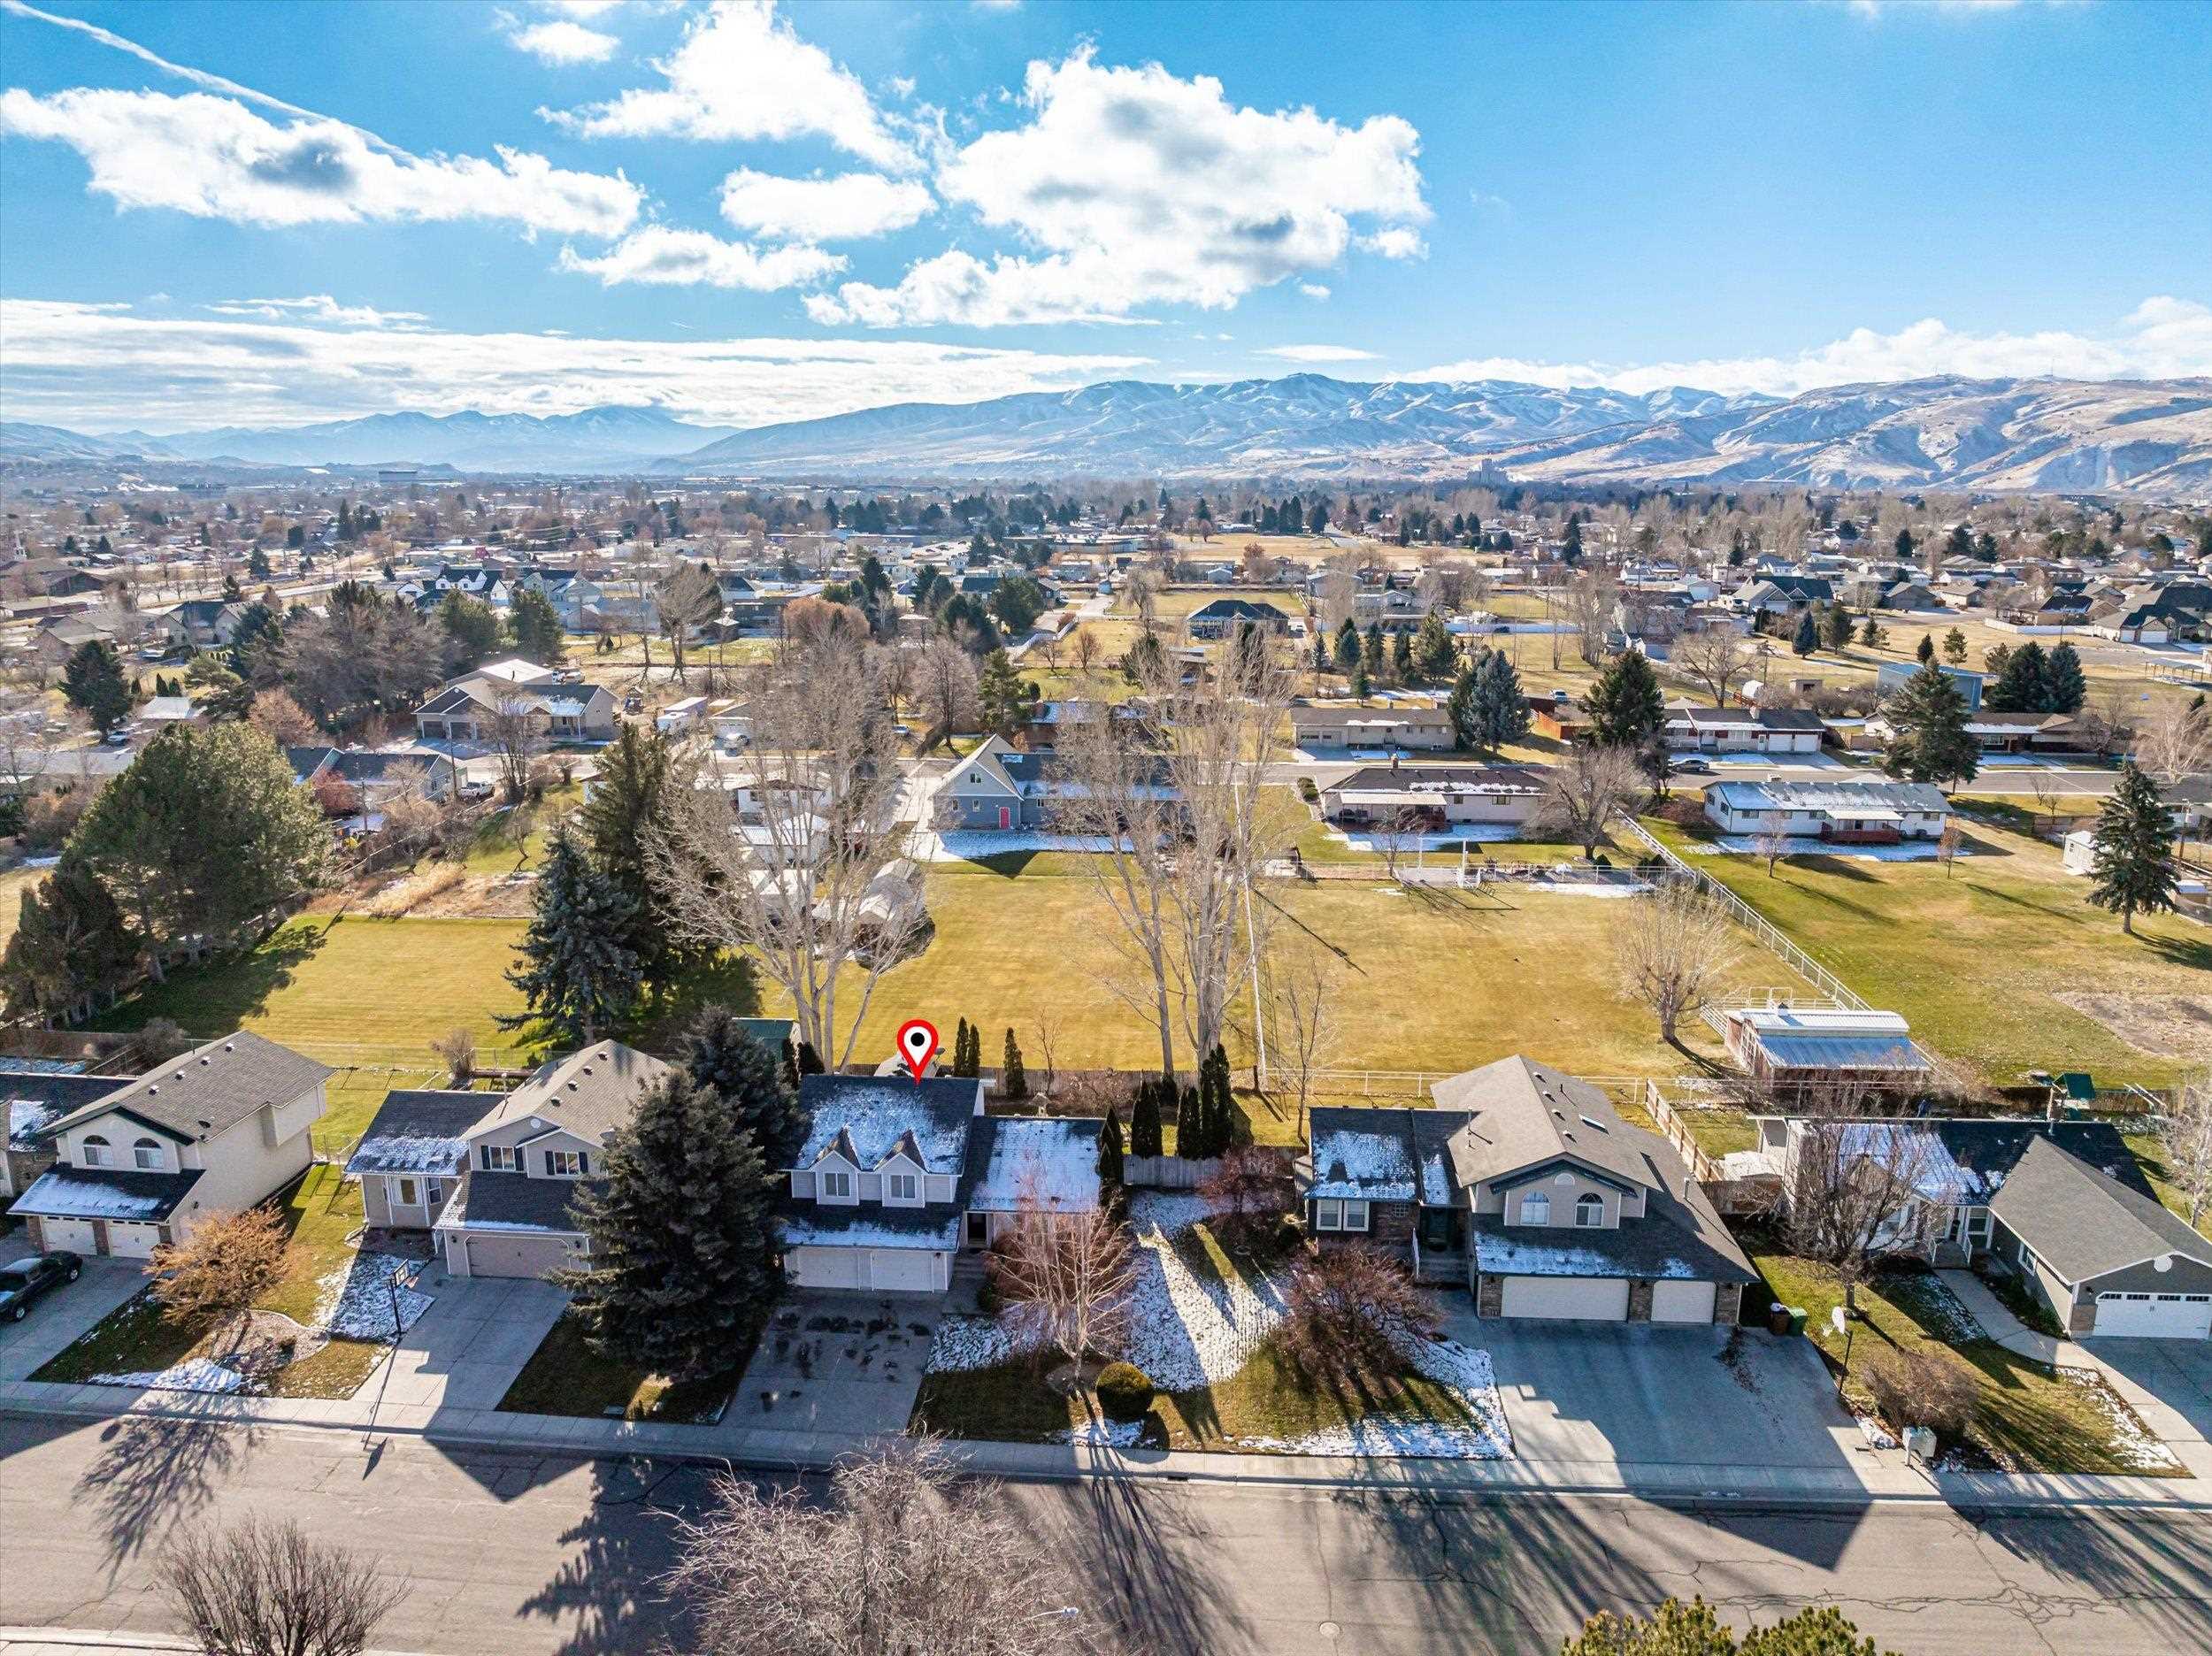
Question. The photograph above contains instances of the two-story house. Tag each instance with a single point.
(218, 1129)
(415, 1153)
(1528, 1185)
(527, 1154)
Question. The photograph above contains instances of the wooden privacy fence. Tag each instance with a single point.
(1168, 1172)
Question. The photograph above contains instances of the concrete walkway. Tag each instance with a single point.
(2180, 1435)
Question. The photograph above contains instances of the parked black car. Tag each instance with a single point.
(24, 1280)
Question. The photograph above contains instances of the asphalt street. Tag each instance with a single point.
(532, 1553)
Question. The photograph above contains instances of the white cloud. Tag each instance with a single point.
(1132, 187)
(841, 208)
(98, 366)
(658, 255)
(2163, 338)
(562, 42)
(1314, 290)
(1399, 241)
(314, 308)
(214, 158)
(741, 74)
(1318, 353)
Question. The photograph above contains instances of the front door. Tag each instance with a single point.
(978, 1229)
(1005, 817)
(1437, 1230)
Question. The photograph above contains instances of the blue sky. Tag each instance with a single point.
(271, 213)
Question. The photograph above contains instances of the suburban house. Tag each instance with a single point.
(526, 1156)
(1528, 1186)
(1411, 725)
(1048, 720)
(466, 709)
(414, 1154)
(376, 775)
(1873, 813)
(1806, 1056)
(1999, 732)
(34, 1101)
(216, 1130)
(1223, 615)
(1744, 730)
(999, 786)
(1891, 676)
(1434, 797)
(2061, 1205)
(201, 623)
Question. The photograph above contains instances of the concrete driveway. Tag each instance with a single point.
(2175, 1372)
(838, 1362)
(66, 1313)
(1631, 1394)
(466, 1350)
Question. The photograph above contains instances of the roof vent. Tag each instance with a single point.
(207, 1061)
(152, 1090)
(229, 1047)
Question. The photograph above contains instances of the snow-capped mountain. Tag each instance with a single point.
(595, 439)
(19, 440)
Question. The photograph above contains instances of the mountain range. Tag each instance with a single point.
(2145, 437)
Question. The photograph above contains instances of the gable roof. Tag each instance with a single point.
(420, 1131)
(2083, 1222)
(1368, 1154)
(210, 1089)
(1053, 1158)
(31, 1100)
(589, 1093)
(1526, 1114)
(868, 1119)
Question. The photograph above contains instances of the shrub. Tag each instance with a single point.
(1924, 1388)
(1123, 1391)
(1353, 1311)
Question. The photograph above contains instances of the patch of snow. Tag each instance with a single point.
(357, 1299)
(1186, 1331)
(408, 1153)
(1478, 1431)
(1587, 888)
(194, 1374)
(1876, 1434)
(1511, 1255)
(1466, 834)
(969, 845)
(1103, 1434)
(27, 1117)
(67, 1193)
(1803, 845)
(878, 1114)
(2132, 1441)
(1364, 1166)
(861, 1232)
(977, 1342)
(1168, 1211)
(1056, 1161)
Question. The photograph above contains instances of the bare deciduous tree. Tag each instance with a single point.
(516, 734)
(2045, 787)
(1674, 947)
(1773, 845)
(1303, 1019)
(1948, 843)
(905, 1554)
(1592, 597)
(220, 1266)
(1713, 657)
(2185, 1135)
(1251, 1184)
(263, 1589)
(456, 1050)
(1582, 796)
(1352, 1312)
(686, 600)
(1070, 1272)
(1086, 651)
(2174, 740)
(1855, 1189)
(943, 684)
(1048, 1037)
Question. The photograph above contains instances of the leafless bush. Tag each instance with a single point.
(1924, 1388)
(901, 1557)
(1351, 1311)
(403, 897)
(263, 1589)
(457, 1049)
(1250, 1185)
(221, 1267)
(160, 1040)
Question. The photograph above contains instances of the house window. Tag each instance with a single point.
(1328, 1214)
(433, 1193)
(498, 1158)
(1536, 1209)
(1589, 1210)
(900, 1187)
(409, 1195)
(1355, 1216)
(565, 1164)
(96, 1152)
(147, 1155)
(838, 1185)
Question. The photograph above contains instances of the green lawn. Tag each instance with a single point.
(318, 1212)
(1992, 963)
(2032, 1418)
(1719, 1130)
(2150, 1155)
(565, 1377)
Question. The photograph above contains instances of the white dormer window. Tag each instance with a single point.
(147, 1155)
(1536, 1209)
(498, 1158)
(1589, 1210)
(564, 1164)
(98, 1152)
(900, 1187)
(837, 1186)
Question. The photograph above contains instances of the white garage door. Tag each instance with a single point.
(133, 1241)
(75, 1235)
(1595, 1298)
(2154, 1316)
(1681, 1301)
(825, 1268)
(904, 1270)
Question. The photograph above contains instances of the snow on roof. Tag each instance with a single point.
(1436, 1180)
(67, 1193)
(407, 1153)
(1056, 1161)
(801, 1231)
(1908, 1147)
(1363, 1166)
(27, 1117)
(868, 1118)
(1506, 1255)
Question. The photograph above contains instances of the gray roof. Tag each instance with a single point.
(865, 1119)
(420, 1131)
(2084, 1225)
(1053, 1158)
(510, 1201)
(1656, 1246)
(589, 1093)
(1525, 1114)
(211, 1088)
(1370, 1154)
(37, 1099)
(74, 1192)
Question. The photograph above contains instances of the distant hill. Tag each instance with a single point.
(594, 440)
(20, 441)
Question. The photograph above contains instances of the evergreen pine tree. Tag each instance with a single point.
(1362, 685)
(722, 1056)
(1928, 740)
(2024, 683)
(1001, 696)
(1926, 653)
(1625, 707)
(1322, 662)
(1371, 649)
(1460, 707)
(631, 803)
(1433, 651)
(1835, 626)
(536, 626)
(1190, 1124)
(71, 946)
(1402, 656)
(2134, 870)
(1013, 1081)
(93, 683)
(1871, 634)
(2065, 687)
(577, 974)
(1347, 647)
(1110, 1155)
(1144, 1120)
(681, 1225)
(1955, 648)
(1220, 1102)
(1806, 639)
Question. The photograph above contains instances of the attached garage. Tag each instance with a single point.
(1587, 1299)
(73, 1235)
(2154, 1316)
(133, 1241)
(490, 1254)
(1675, 1300)
(864, 1270)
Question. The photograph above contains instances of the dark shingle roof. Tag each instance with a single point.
(48, 1096)
(2084, 1223)
(75, 1192)
(504, 1200)
(420, 1131)
(589, 1093)
(865, 1118)
(211, 1088)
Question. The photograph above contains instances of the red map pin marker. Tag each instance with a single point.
(918, 1045)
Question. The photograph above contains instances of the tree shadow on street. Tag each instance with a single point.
(606, 1596)
(154, 1474)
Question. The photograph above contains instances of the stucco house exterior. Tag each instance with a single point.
(464, 710)
(31, 1100)
(1000, 786)
(216, 1130)
(1526, 1185)
(1434, 796)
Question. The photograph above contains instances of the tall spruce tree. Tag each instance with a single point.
(1013, 1079)
(631, 805)
(2134, 870)
(536, 626)
(1501, 704)
(681, 1226)
(578, 975)
(1433, 651)
(71, 946)
(1145, 1136)
(1190, 1124)
(93, 683)
(1401, 656)
(1928, 738)
(1109, 1152)
(1219, 1102)
(1001, 697)
(2065, 687)
(1348, 651)
(1806, 639)
(2022, 684)
(1625, 707)
(720, 1054)
(1459, 706)
(1371, 649)
(1835, 626)
(1925, 652)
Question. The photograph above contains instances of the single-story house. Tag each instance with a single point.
(1999, 732)
(465, 711)
(376, 775)
(1412, 725)
(1745, 730)
(1847, 812)
(2063, 1205)
(1000, 786)
(221, 1128)
(1891, 676)
(1809, 1056)
(1528, 1186)
(1048, 719)
(1434, 796)
(31, 1101)
(1223, 615)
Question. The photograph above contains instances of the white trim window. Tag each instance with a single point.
(564, 1164)
(498, 1158)
(1355, 1216)
(901, 1187)
(1536, 1208)
(410, 1192)
(146, 1154)
(1589, 1210)
(1328, 1214)
(836, 1186)
(97, 1151)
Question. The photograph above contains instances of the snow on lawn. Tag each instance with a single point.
(1747, 844)
(979, 1342)
(1477, 1432)
(1469, 833)
(1185, 1331)
(1098, 1434)
(970, 845)
(357, 1299)
(194, 1374)
(1167, 1212)
(2132, 1441)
